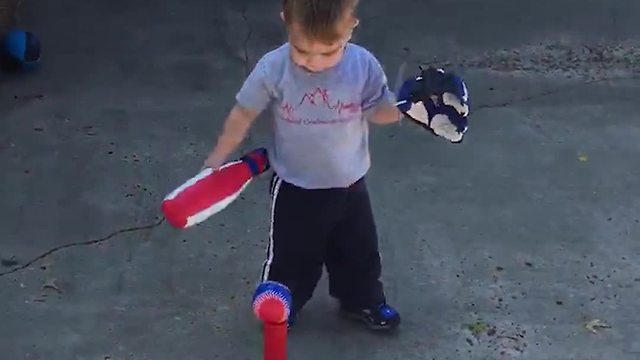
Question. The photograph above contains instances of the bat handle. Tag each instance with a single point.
(275, 341)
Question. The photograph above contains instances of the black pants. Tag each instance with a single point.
(315, 228)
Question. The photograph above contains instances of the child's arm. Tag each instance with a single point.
(386, 113)
(235, 129)
(253, 97)
(379, 103)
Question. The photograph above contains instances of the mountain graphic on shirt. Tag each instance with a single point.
(321, 98)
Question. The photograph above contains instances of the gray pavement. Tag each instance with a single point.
(500, 248)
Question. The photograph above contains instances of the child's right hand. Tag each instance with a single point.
(213, 161)
(235, 129)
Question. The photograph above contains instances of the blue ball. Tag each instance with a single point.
(20, 50)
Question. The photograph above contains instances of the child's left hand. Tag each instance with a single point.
(438, 101)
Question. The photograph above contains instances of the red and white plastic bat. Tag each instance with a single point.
(211, 191)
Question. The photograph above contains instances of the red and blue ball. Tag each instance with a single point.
(272, 302)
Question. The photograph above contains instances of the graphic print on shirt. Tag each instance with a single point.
(319, 106)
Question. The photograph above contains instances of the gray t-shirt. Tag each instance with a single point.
(320, 132)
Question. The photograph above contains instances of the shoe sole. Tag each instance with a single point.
(368, 324)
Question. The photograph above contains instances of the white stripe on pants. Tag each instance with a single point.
(275, 188)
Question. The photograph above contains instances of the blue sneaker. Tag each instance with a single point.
(383, 317)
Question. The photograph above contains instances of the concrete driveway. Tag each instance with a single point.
(503, 247)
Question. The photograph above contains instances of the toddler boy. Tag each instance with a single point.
(322, 92)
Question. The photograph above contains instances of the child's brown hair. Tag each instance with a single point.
(319, 19)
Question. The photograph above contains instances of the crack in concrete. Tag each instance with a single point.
(85, 243)
(550, 92)
(521, 100)
(613, 14)
(247, 68)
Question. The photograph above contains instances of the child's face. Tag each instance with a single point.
(316, 56)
